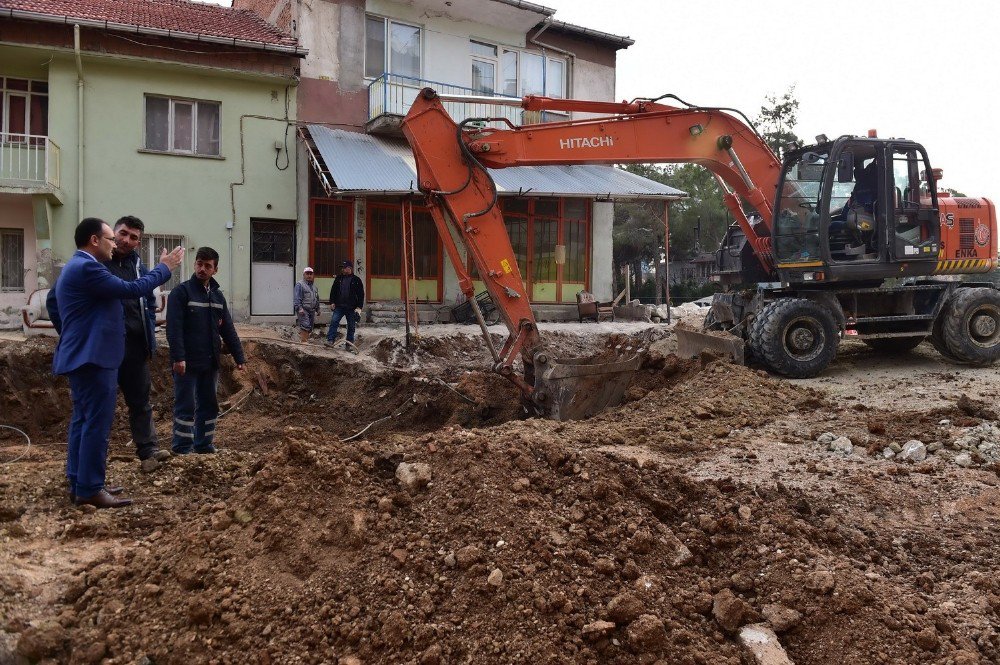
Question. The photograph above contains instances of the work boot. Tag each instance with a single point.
(206, 450)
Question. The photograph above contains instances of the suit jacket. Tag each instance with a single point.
(91, 317)
(147, 304)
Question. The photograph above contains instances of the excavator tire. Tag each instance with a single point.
(937, 340)
(794, 337)
(970, 326)
(894, 345)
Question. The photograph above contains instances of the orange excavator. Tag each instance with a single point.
(842, 238)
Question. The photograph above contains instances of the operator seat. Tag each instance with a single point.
(853, 227)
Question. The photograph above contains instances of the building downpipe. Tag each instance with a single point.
(79, 123)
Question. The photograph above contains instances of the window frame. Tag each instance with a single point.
(387, 48)
(498, 77)
(348, 241)
(149, 254)
(29, 94)
(17, 233)
(172, 101)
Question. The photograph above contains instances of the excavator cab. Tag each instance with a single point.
(853, 210)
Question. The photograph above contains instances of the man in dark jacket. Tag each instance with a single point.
(140, 341)
(198, 321)
(347, 297)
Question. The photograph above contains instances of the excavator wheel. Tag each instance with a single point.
(970, 326)
(894, 345)
(937, 340)
(794, 337)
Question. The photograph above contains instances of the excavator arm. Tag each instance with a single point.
(451, 164)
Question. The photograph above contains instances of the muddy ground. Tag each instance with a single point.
(456, 531)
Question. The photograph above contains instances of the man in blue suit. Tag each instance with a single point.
(90, 350)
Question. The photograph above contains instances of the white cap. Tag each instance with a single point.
(308, 269)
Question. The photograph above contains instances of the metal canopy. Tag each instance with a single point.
(365, 164)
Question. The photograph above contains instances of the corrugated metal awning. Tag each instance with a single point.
(365, 164)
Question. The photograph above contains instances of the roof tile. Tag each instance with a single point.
(180, 15)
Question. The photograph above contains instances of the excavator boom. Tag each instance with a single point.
(452, 161)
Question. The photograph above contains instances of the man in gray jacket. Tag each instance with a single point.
(305, 302)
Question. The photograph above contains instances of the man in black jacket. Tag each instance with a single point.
(347, 297)
(198, 321)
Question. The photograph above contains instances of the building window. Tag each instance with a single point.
(385, 232)
(330, 238)
(150, 248)
(542, 75)
(183, 126)
(24, 109)
(272, 242)
(391, 47)
(484, 67)
(11, 260)
(536, 226)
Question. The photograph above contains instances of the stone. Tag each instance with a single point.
(399, 554)
(625, 608)
(762, 645)
(449, 560)
(744, 512)
(934, 446)
(913, 451)
(964, 460)
(385, 505)
(731, 612)
(46, 640)
(468, 556)
(495, 578)
(781, 618)
(597, 630)
(414, 477)
(604, 566)
(895, 448)
(647, 634)
(826, 438)
(821, 581)
(150, 465)
(887, 453)
(431, 655)
(841, 445)
(928, 640)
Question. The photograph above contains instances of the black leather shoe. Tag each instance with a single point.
(103, 500)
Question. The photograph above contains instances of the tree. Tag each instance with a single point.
(777, 119)
(698, 223)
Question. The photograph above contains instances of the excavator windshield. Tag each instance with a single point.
(796, 230)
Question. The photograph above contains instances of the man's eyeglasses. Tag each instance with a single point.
(111, 238)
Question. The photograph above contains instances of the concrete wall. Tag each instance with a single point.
(173, 194)
(601, 265)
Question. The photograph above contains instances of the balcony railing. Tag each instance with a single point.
(392, 95)
(28, 160)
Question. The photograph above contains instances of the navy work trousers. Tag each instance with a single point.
(196, 409)
(94, 391)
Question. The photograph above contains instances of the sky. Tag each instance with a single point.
(921, 70)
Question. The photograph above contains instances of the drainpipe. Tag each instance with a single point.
(79, 123)
(571, 74)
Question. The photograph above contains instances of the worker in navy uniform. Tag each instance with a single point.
(198, 322)
(91, 347)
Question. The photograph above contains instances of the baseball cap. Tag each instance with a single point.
(346, 264)
(307, 269)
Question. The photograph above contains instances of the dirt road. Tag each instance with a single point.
(457, 532)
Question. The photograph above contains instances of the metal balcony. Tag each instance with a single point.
(391, 95)
(29, 164)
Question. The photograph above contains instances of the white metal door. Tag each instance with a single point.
(272, 267)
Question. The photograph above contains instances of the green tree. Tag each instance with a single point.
(777, 119)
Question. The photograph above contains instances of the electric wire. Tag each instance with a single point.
(27, 448)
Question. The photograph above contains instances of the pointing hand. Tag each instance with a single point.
(173, 258)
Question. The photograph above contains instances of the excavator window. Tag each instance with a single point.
(915, 226)
(796, 231)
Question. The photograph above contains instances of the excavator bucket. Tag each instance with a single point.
(575, 388)
(693, 341)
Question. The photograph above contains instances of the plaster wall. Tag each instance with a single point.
(601, 266)
(16, 213)
(174, 194)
